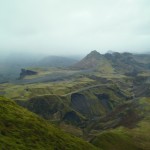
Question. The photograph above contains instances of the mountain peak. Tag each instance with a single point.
(94, 51)
(90, 61)
(94, 54)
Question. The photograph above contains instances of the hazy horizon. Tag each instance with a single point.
(64, 27)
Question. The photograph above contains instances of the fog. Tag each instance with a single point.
(65, 27)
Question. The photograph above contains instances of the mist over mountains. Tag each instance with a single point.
(10, 66)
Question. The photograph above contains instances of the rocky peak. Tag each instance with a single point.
(94, 54)
(92, 60)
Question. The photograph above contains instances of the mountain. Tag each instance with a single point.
(57, 61)
(23, 130)
(143, 58)
(114, 62)
(12, 64)
(10, 67)
(92, 60)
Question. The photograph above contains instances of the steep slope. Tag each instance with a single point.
(23, 130)
(90, 61)
(94, 60)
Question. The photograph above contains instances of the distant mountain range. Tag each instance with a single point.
(114, 62)
(111, 62)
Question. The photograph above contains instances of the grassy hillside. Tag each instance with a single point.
(89, 102)
(135, 137)
(23, 130)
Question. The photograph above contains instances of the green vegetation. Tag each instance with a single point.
(123, 138)
(78, 106)
(114, 140)
(26, 91)
(23, 130)
(135, 138)
(103, 99)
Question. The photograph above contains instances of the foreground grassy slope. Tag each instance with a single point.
(23, 130)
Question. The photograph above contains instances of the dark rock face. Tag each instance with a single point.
(72, 117)
(49, 107)
(25, 72)
(123, 115)
(124, 63)
(80, 103)
(105, 100)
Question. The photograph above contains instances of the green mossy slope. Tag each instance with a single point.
(23, 130)
(137, 138)
(115, 140)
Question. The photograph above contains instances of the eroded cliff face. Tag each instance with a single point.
(80, 103)
(77, 107)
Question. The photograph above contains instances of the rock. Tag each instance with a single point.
(25, 72)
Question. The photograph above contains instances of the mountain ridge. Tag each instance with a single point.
(118, 62)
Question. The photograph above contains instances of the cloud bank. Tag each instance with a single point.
(74, 27)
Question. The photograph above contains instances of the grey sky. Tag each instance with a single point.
(74, 26)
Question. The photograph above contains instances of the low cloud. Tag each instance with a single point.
(73, 27)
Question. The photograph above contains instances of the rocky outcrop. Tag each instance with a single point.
(25, 72)
(105, 100)
(73, 118)
(80, 103)
(49, 107)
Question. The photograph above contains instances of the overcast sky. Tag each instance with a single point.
(74, 26)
